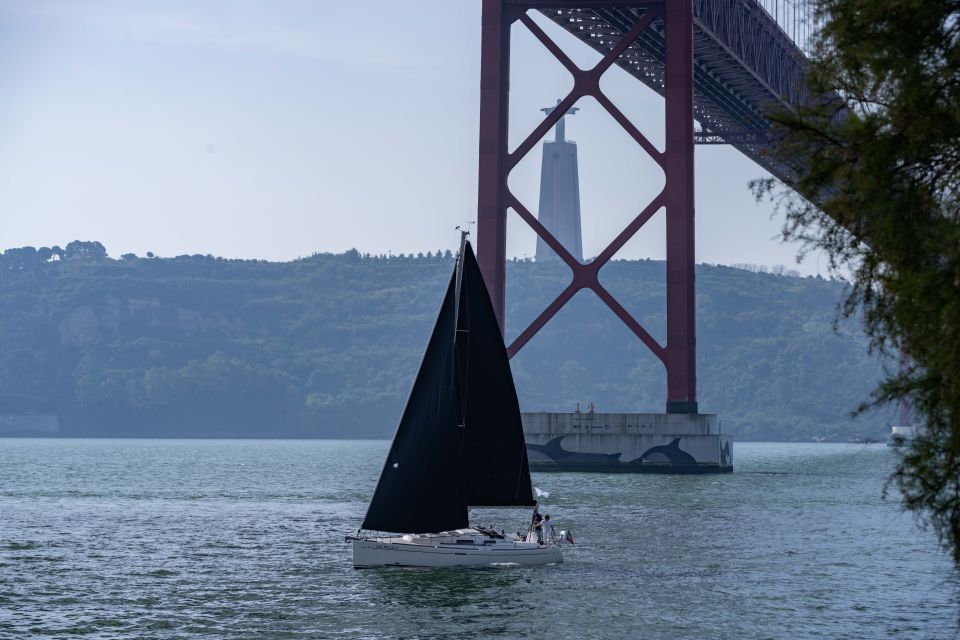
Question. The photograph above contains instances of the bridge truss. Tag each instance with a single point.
(719, 62)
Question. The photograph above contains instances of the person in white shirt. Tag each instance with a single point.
(547, 528)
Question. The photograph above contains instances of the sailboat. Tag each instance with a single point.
(459, 444)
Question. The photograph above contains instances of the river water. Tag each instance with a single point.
(244, 538)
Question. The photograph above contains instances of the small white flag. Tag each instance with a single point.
(541, 493)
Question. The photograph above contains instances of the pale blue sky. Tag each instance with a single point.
(276, 129)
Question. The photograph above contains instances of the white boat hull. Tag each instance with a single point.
(449, 551)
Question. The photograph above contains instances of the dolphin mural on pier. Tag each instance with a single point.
(672, 452)
(664, 458)
(557, 453)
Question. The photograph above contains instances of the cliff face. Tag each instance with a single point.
(329, 346)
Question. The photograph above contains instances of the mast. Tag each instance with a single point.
(460, 257)
(461, 354)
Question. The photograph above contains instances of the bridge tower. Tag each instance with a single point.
(668, 22)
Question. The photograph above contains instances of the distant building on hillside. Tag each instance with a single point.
(560, 193)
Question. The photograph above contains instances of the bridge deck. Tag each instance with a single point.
(744, 62)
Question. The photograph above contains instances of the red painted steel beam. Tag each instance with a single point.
(492, 178)
(496, 162)
(681, 286)
(587, 276)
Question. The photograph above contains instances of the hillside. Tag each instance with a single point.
(328, 345)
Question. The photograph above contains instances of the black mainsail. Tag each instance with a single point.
(493, 451)
(460, 441)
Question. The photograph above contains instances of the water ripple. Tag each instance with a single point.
(200, 539)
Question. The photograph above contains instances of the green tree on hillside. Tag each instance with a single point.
(80, 250)
(879, 192)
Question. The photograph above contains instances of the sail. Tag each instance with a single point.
(493, 452)
(421, 485)
(460, 440)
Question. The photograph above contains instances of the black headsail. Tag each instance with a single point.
(459, 441)
(421, 485)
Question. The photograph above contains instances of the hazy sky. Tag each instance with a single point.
(276, 129)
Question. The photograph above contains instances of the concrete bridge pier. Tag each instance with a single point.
(627, 442)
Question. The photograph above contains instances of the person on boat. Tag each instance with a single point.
(547, 529)
(535, 524)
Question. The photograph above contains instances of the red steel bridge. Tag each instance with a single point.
(719, 65)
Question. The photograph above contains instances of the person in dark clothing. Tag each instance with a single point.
(535, 524)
